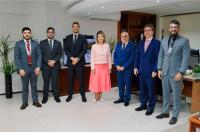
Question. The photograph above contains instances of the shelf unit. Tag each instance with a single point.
(133, 23)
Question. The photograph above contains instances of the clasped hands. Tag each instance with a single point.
(51, 63)
(120, 68)
(74, 60)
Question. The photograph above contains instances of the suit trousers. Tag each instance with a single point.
(124, 83)
(147, 91)
(79, 72)
(50, 74)
(29, 76)
(168, 84)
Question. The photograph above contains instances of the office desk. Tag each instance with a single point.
(192, 89)
(63, 80)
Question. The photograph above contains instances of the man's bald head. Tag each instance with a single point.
(124, 37)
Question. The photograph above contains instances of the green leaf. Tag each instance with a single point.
(5, 48)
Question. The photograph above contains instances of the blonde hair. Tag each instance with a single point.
(102, 34)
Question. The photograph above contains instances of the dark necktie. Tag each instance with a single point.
(51, 44)
(29, 52)
(123, 46)
(75, 39)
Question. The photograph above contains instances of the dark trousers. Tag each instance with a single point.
(124, 83)
(29, 76)
(147, 91)
(79, 72)
(50, 74)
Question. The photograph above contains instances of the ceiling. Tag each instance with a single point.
(106, 8)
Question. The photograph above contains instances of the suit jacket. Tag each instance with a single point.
(177, 60)
(75, 50)
(20, 55)
(125, 57)
(146, 62)
(48, 54)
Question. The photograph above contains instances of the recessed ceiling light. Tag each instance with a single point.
(88, 13)
(102, 7)
(157, 1)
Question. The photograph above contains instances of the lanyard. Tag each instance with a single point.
(173, 39)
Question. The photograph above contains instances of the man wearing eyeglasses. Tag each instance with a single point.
(51, 53)
(146, 67)
(172, 65)
(124, 56)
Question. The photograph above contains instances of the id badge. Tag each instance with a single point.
(170, 50)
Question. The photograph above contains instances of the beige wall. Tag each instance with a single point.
(189, 27)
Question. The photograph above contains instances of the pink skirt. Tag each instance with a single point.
(100, 81)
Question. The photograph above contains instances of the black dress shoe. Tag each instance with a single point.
(140, 108)
(37, 104)
(163, 115)
(69, 98)
(24, 105)
(44, 100)
(84, 99)
(173, 121)
(118, 101)
(148, 112)
(57, 99)
(126, 103)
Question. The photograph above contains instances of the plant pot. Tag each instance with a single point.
(8, 86)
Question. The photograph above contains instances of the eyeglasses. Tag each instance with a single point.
(173, 27)
(147, 30)
(124, 36)
(50, 32)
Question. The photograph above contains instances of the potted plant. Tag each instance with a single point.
(196, 71)
(8, 67)
(112, 41)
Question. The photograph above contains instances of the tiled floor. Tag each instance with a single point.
(77, 116)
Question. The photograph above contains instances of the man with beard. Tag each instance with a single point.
(28, 60)
(75, 47)
(51, 53)
(172, 64)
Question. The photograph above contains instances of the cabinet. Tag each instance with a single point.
(133, 23)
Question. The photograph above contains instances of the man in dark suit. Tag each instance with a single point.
(51, 53)
(146, 67)
(124, 55)
(75, 47)
(28, 60)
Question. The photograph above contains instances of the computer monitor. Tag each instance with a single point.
(194, 57)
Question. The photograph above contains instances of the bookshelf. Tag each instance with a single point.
(133, 23)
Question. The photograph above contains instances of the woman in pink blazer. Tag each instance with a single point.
(101, 65)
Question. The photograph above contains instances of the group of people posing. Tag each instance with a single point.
(150, 58)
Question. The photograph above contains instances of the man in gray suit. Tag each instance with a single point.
(28, 60)
(172, 65)
(51, 53)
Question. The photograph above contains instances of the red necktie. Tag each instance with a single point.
(29, 52)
